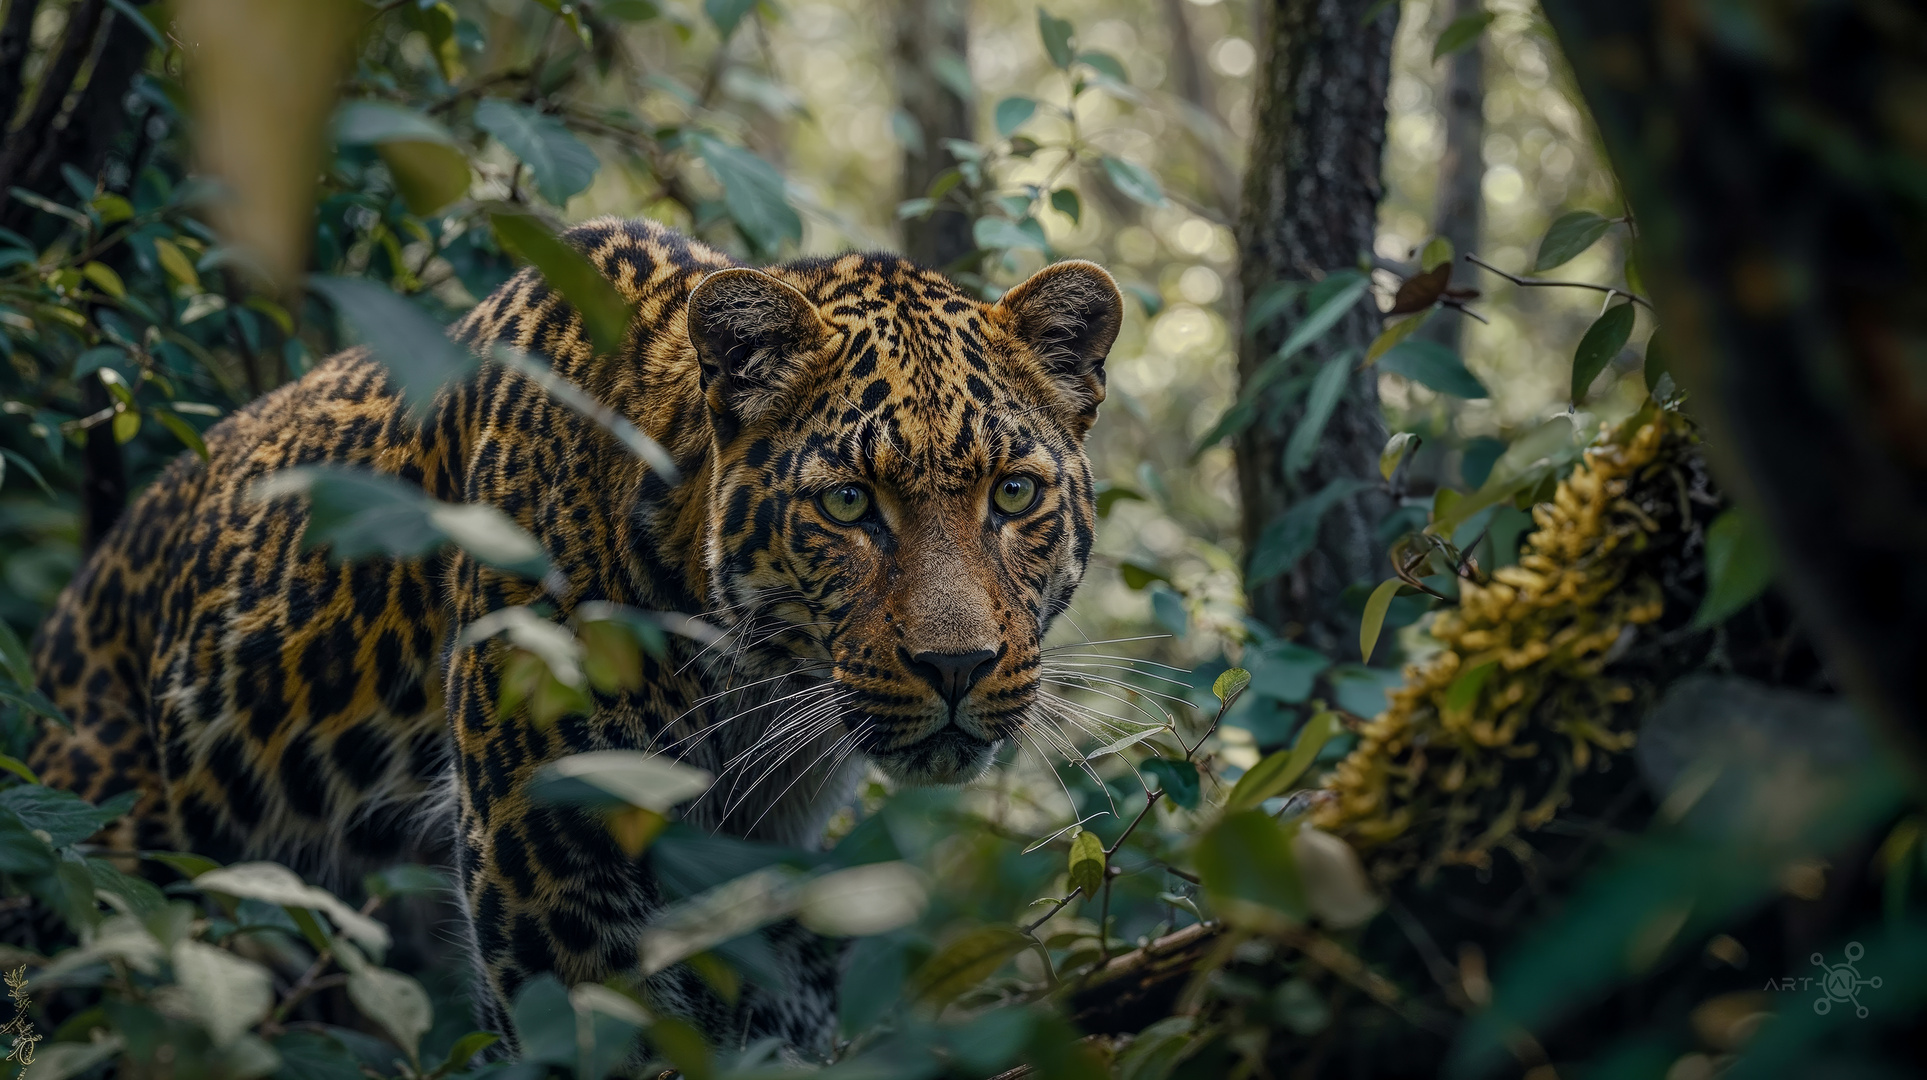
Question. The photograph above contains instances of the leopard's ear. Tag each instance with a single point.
(1068, 314)
(753, 335)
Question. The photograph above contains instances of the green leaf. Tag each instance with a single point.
(872, 983)
(418, 355)
(1603, 340)
(466, 1048)
(139, 21)
(1168, 609)
(545, 1021)
(1178, 779)
(66, 818)
(726, 14)
(1437, 252)
(1571, 234)
(753, 194)
(953, 72)
(1435, 366)
(14, 654)
(1461, 34)
(1276, 772)
(1125, 743)
(1292, 534)
(428, 175)
(1394, 453)
(1002, 234)
(1148, 297)
(1375, 608)
(1339, 293)
(1246, 866)
(22, 854)
(1106, 65)
(177, 264)
(1327, 390)
(357, 513)
(105, 279)
(634, 777)
(139, 894)
(18, 768)
(226, 993)
(1137, 577)
(1087, 863)
(371, 123)
(1273, 300)
(605, 314)
(1108, 496)
(183, 431)
(1533, 457)
(1656, 365)
(1467, 684)
(25, 466)
(561, 164)
(273, 883)
(311, 1055)
(1011, 114)
(1285, 670)
(1134, 181)
(1361, 690)
(1056, 33)
(1066, 202)
(406, 879)
(396, 1002)
(965, 962)
(1230, 683)
(1739, 566)
(1394, 333)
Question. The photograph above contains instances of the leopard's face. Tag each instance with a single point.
(902, 504)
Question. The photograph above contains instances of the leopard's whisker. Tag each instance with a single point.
(1091, 677)
(1133, 660)
(1161, 718)
(1104, 641)
(825, 721)
(800, 774)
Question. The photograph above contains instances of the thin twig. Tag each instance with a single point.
(1609, 290)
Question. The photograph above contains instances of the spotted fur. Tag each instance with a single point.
(269, 703)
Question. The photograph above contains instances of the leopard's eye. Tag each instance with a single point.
(846, 504)
(1015, 494)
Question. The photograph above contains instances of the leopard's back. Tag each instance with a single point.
(269, 702)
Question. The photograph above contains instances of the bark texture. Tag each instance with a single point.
(1458, 210)
(1310, 206)
(927, 31)
(1774, 176)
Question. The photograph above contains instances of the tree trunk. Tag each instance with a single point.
(83, 135)
(1310, 206)
(1189, 83)
(928, 32)
(55, 82)
(1774, 177)
(16, 42)
(1458, 209)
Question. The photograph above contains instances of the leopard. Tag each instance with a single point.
(880, 502)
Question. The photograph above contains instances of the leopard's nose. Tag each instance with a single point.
(953, 674)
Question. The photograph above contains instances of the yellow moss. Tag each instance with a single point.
(1432, 779)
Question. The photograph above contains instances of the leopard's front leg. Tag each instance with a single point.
(547, 890)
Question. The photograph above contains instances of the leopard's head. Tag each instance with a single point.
(902, 504)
